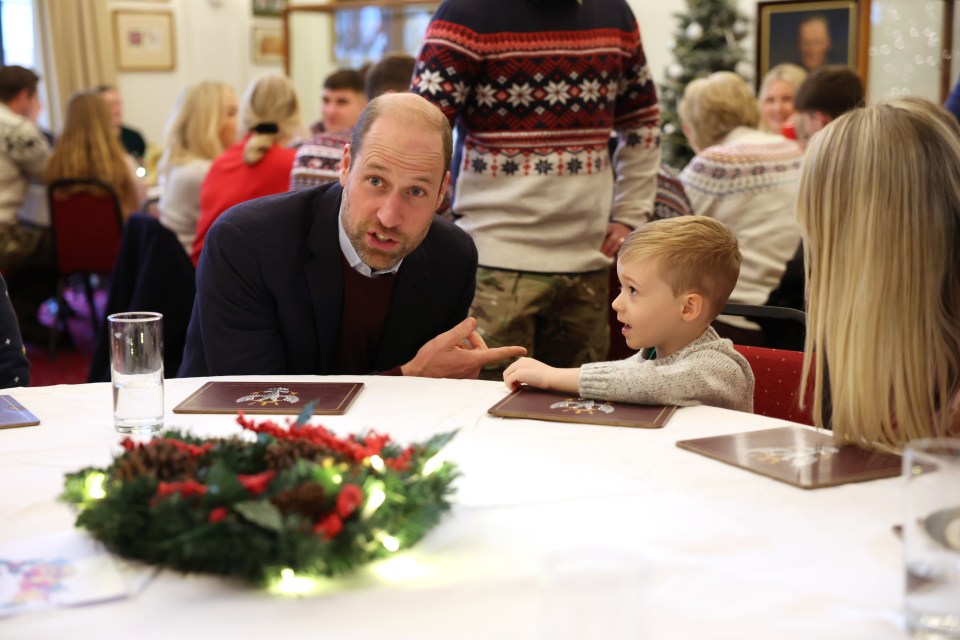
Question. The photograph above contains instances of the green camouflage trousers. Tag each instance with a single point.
(560, 319)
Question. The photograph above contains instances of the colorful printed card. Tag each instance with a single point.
(536, 404)
(802, 457)
(63, 569)
(332, 398)
(14, 414)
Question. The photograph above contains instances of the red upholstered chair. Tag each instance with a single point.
(776, 373)
(86, 222)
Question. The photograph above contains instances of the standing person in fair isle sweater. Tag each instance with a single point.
(537, 87)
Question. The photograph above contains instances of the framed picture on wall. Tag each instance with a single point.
(144, 40)
(268, 7)
(812, 33)
(267, 45)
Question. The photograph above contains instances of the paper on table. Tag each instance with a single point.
(61, 569)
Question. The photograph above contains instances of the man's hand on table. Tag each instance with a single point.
(457, 353)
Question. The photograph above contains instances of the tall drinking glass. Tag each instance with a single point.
(931, 536)
(136, 370)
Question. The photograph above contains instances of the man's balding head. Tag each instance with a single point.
(409, 109)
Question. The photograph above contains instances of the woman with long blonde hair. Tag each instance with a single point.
(203, 123)
(259, 164)
(879, 205)
(88, 147)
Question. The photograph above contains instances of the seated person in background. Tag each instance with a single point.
(131, 139)
(675, 277)
(354, 277)
(879, 205)
(746, 179)
(342, 101)
(14, 366)
(777, 96)
(23, 156)
(318, 159)
(259, 164)
(88, 148)
(202, 125)
(826, 94)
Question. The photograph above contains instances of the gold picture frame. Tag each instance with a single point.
(144, 40)
(786, 33)
(267, 46)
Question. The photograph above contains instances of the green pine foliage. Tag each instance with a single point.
(248, 509)
(707, 39)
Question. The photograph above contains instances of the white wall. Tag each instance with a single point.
(213, 42)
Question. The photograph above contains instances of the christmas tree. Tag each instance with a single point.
(707, 39)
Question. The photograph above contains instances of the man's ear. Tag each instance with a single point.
(822, 118)
(444, 185)
(345, 165)
(693, 307)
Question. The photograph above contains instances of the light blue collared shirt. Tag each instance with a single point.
(353, 258)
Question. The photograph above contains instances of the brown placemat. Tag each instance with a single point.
(536, 404)
(801, 457)
(13, 414)
(332, 398)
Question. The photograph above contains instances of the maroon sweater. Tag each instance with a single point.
(366, 302)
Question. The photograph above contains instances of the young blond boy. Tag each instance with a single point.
(675, 277)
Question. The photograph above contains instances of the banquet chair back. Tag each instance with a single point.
(776, 374)
(153, 273)
(86, 222)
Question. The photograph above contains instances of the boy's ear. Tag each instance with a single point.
(693, 307)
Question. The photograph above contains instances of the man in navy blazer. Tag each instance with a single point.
(349, 278)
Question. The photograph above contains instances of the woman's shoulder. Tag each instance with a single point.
(744, 162)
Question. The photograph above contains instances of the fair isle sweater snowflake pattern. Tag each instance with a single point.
(728, 169)
(537, 104)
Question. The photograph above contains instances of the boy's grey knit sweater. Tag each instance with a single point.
(706, 371)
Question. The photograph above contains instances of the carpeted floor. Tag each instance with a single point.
(68, 367)
(74, 351)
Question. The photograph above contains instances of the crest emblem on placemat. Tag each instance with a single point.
(582, 406)
(273, 395)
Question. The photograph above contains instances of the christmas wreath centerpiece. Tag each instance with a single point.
(294, 501)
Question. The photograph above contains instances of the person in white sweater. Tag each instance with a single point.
(675, 276)
(202, 125)
(746, 179)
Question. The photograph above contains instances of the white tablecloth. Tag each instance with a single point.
(721, 552)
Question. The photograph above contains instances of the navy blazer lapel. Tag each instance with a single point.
(323, 271)
(401, 336)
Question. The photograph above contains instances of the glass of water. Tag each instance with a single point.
(931, 536)
(136, 370)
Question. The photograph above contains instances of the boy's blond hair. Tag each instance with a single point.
(696, 253)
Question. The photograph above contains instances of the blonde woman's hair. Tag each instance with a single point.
(792, 74)
(696, 254)
(193, 130)
(879, 204)
(270, 102)
(88, 147)
(714, 106)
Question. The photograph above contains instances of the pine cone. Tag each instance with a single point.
(162, 460)
(284, 453)
(307, 499)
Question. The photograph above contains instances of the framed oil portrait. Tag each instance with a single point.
(267, 45)
(144, 40)
(813, 33)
